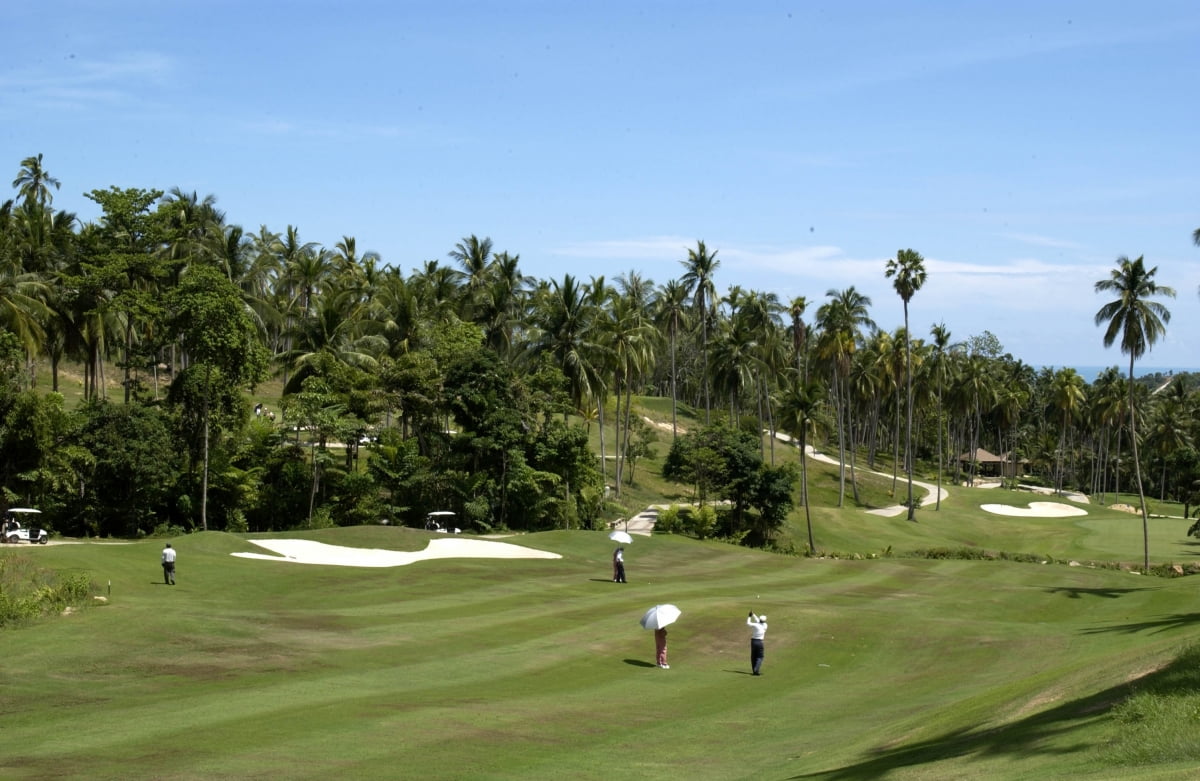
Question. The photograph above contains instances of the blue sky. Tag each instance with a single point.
(1021, 147)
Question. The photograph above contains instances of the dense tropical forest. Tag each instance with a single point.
(466, 385)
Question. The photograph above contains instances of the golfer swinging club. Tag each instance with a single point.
(758, 631)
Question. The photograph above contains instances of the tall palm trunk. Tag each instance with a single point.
(204, 479)
(1137, 468)
(674, 395)
(941, 458)
(838, 405)
(628, 414)
(603, 457)
(908, 410)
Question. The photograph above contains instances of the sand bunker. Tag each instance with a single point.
(1035, 510)
(309, 552)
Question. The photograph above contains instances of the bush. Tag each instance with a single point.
(669, 521)
(321, 519)
(702, 522)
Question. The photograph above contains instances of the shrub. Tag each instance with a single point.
(702, 522)
(321, 519)
(669, 521)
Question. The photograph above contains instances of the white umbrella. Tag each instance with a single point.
(621, 537)
(659, 616)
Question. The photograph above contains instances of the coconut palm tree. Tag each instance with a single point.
(1068, 395)
(630, 339)
(798, 409)
(33, 183)
(503, 303)
(908, 268)
(700, 267)
(1109, 400)
(22, 304)
(940, 366)
(474, 255)
(799, 333)
(841, 320)
(1138, 322)
(1169, 427)
(671, 314)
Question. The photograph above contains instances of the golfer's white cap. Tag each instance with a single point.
(762, 618)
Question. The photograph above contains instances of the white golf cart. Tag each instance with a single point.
(441, 521)
(15, 532)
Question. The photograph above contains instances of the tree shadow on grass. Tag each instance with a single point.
(1173, 621)
(1107, 593)
(1026, 738)
(1029, 737)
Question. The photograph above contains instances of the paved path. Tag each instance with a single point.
(896, 509)
(643, 522)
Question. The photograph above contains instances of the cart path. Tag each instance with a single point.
(643, 522)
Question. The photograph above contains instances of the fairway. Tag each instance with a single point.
(537, 668)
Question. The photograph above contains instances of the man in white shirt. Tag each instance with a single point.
(758, 632)
(168, 564)
(619, 561)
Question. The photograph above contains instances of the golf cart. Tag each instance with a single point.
(14, 532)
(441, 521)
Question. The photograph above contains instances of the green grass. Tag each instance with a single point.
(477, 668)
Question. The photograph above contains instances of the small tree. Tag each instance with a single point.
(218, 334)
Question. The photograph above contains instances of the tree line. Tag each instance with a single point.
(476, 387)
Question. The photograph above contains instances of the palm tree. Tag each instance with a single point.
(1068, 395)
(940, 367)
(504, 302)
(671, 315)
(797, 411)
(908, 267)
(33, 183)
(1109, 400)
(565, 324)
(1168, 431)
(1139, 322)
(22, 307)
(630, 337)
(700, 267)
(799, 333)
(474, 255)
(841, 320)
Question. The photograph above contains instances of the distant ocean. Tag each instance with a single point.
(1090, 373)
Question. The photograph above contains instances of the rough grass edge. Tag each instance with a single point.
(1158, 721)
(28, 592)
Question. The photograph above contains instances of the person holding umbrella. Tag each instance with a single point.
(758, 633)
(618, 558)
(619, 565)
(660, 647)
(657, 618)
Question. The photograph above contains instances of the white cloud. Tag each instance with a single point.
(1042, 241)
(79, 83)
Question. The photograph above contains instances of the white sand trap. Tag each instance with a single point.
(1035, 510)
(310, 552)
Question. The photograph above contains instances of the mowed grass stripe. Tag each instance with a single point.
(537, 668)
